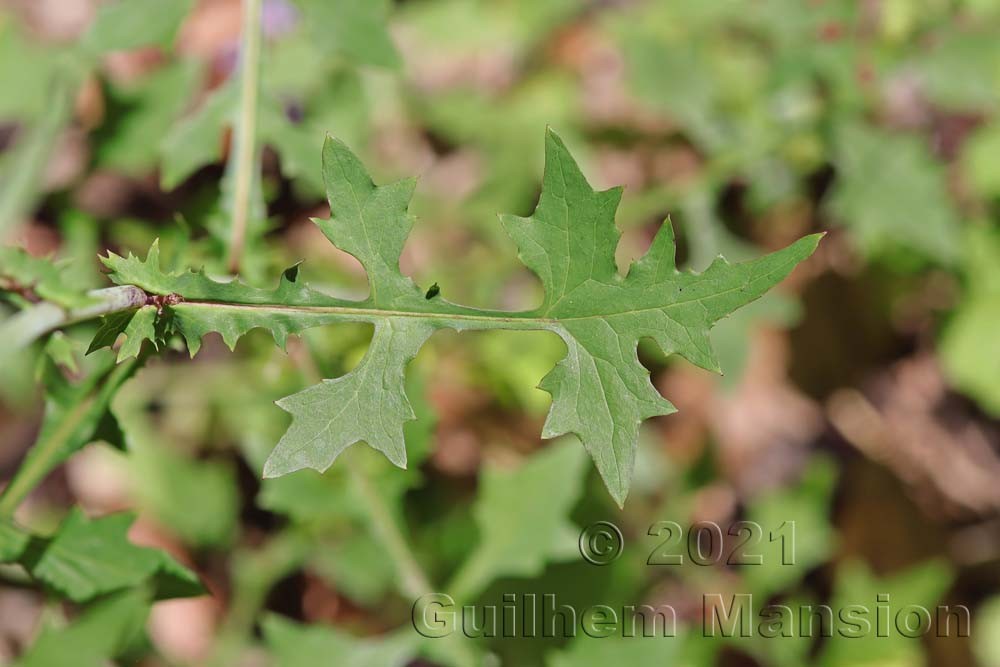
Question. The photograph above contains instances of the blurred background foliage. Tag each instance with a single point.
(860, 401)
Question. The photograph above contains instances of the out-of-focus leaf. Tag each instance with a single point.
(198, 500)
(105, 630)
(86, 559)
(981, 160)
(26, 68)
(891, 194)
(13, 542)
(358, 566)
(143, 111)
(197, 140)
(962, 70)
(61, 349)
(294, 645)
(969, 346)
(986, 633)
(22, 272)
(354, 28)
(587, 651)
(129, 24)
(921, 585)
(545, 487)
(75, 415)
(798, 518)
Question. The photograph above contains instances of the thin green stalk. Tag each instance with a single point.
(245, 155)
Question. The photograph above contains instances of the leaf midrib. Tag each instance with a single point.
(528, 319)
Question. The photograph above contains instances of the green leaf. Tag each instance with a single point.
(294, 645)
(42, 277)
(891, 194)
(353, 28)
(75, 415)
(986, 633)
(130, 24)
(86, 559)
(61, 349)
(981, 159)
(104, 631)
(198, 500)
(140, 111)
(807, 506)
(197, 140)
(600, 390)
(13, 542)
(545, 487)
(141, 327)
(969, 345)
(921, 585)
(26, 66)
(74, 412)
(329, 417)
(587, 651)
(109, 328)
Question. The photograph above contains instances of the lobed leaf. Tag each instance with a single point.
(600, 391)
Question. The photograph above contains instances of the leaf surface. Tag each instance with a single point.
(87, 558)
(600, 391)
(545, 487)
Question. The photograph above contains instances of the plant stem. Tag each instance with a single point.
(245, 155)
(31, 323)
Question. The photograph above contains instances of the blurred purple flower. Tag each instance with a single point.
(279, 17)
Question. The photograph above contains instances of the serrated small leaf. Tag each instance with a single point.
(109, 328)
(140, 328)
